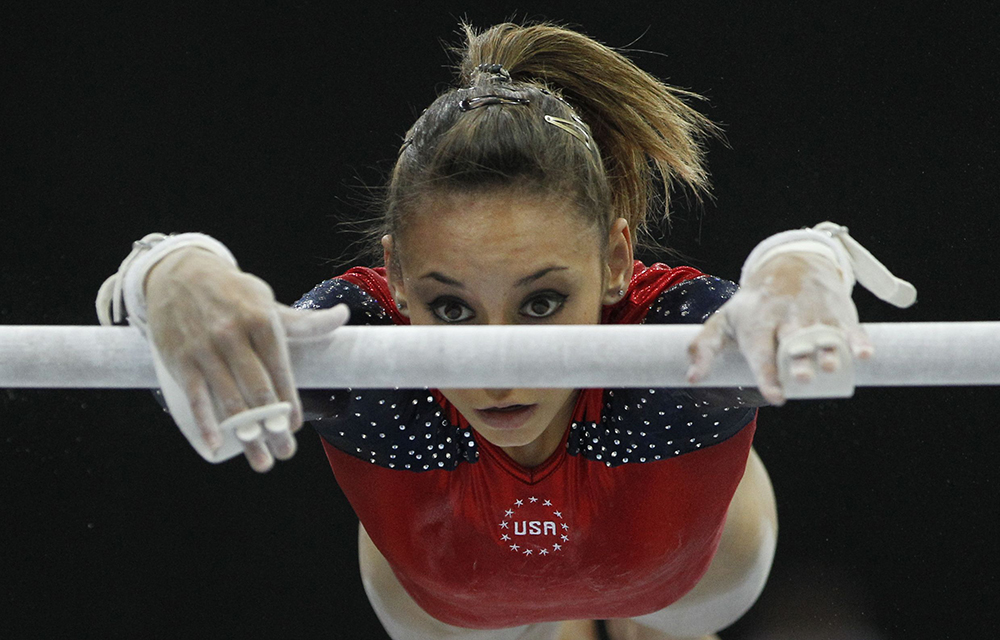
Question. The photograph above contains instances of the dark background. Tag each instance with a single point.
(263, 124)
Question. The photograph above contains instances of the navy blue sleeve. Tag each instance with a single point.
(365, 310)
(693, 302)
(645, 425)
(394, 428)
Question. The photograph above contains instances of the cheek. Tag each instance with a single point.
(463, 399)
(589, 307)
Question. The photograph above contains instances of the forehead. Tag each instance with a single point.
(497, 231)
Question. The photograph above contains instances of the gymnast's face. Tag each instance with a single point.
(499, 259)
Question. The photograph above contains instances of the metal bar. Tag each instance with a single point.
(567, 356)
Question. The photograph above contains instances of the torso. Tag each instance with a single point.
(621, 519)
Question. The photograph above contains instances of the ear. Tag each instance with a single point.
(618, 270)
(393, 278)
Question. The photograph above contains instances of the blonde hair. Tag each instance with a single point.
(547, 110)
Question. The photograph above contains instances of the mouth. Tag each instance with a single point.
(507, 417)
(507, 407)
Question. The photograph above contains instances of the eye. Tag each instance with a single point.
(544, 305)
(449, 310)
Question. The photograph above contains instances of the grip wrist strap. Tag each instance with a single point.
(834, 242)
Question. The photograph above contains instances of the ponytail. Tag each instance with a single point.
(549, 111)
(640, 124)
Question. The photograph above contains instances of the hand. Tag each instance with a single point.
(223, 339)
(785, 294)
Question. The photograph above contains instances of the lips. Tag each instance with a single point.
(509, 417)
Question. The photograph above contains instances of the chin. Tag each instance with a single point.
(504, 438)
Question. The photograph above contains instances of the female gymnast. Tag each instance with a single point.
(523, 514)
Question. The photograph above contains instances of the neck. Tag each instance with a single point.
(541, 448)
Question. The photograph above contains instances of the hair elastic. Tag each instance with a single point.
(495, 69)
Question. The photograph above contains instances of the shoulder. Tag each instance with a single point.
(662, 294)
(691, 301)
(645, 425)
(405, 429)
(365, 291)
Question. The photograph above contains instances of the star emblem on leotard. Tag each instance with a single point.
(532, 527)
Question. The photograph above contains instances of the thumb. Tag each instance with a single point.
(712, 339)
(306, 324)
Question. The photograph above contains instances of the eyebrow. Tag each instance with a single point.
(434, 275)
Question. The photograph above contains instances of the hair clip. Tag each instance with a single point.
(574, 127)
(467, 104)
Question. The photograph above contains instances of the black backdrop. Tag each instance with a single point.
(262, 124)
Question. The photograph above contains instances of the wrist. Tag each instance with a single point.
(136, 276)
(192, 257)
(836, 246)
(809, 244)
(785, 273)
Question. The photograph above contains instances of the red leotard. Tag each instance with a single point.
(620, 521)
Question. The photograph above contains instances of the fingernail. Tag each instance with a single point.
(285, 450)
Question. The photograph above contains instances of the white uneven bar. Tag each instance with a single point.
(567, 356)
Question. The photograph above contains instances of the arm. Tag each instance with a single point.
(696, 301)
(320, 404)
(793, 281)
(221, 339)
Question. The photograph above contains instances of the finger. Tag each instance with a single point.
(800, 355)
(244, 362)
(258, 383)
(304, 324)
(251, 437)
(706, 346)
(271, 347)
(828, 359)
(801, 368)
(229, 401)
(282, 445)
(227, 397)
(203, 410)
(258, 455)
(861, 344)
(278, 436)
(254, 429)
(760, 351)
